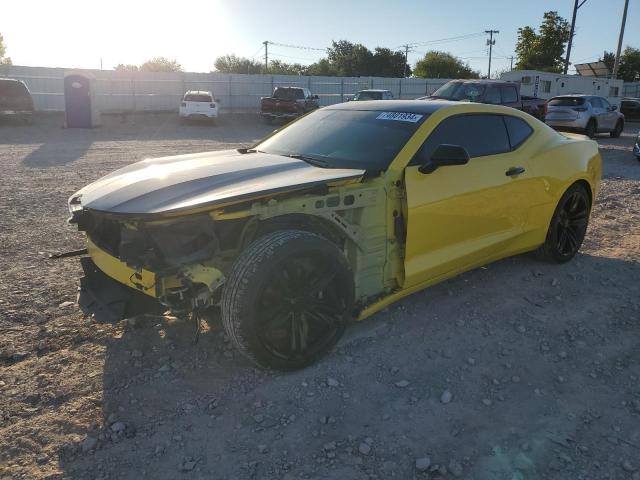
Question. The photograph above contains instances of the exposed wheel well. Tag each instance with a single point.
(308, 223)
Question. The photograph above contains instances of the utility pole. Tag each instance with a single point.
(266, 56)
(511, 67)
(406, 61)
(577, 4)
(624, 21)
(491, 42)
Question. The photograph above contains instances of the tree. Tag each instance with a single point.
(322, 67)
(278, 67)
(350, 59)
(121, 67)
(234, 64)
(544, 50)
(629, 68)
(161, 64)
(387, 63)
(443, 65)
(4, 60)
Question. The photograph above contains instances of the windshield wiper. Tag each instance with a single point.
(247, 150)
(316, 162)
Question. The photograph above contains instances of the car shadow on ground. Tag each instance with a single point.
(172, 406)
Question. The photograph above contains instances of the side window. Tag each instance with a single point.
(518, 130)
(493, 96)
(604, 102)
(509, 94)
(480, 135)
(595, 102)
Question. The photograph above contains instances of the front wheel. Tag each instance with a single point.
(288, 299)
(590, 130)
(568, 226)
(616, 132)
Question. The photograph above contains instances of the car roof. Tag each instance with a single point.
(197, 92)
(2, 79)
(413, 106)
(373, 90)
(576, 95)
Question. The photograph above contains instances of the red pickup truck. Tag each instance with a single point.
(287, 103)
(496, 92)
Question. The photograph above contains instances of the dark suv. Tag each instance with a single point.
(15, 100)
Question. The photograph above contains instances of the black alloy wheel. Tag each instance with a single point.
(568, 226)
(288, 299)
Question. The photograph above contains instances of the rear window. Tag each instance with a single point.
(566, 102)
(10, 88)
(289, 93)
(192, 97)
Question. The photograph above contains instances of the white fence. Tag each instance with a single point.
(138, 91)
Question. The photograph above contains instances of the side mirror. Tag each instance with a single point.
(315, 97)
(445, 155)
(217, 100)
(614, 108)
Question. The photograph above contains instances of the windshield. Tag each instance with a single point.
(566, 102)
(363, 139)
(368, 96)
(460, 91)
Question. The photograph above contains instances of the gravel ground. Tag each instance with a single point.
(517, 370)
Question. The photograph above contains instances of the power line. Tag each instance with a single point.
(301, 47)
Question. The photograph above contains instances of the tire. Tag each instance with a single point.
(591, 129)
(288, 299)
(568, 226)
(617, 131)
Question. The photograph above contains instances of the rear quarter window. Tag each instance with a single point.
(518, 131)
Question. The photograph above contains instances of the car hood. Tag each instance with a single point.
(169, 184)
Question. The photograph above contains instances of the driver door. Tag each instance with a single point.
(462, 215)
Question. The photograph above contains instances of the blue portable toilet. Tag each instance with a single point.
(79, 101)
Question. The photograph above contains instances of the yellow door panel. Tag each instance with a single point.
(458, 215)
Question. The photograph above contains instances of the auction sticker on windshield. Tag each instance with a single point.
(400, 116)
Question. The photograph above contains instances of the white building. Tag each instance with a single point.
(546, 85)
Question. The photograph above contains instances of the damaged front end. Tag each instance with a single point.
(138, 266)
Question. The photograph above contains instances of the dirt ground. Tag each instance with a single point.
(517, 370)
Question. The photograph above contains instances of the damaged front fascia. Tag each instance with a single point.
(358, 212)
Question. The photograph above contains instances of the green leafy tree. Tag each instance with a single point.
(350, 59)
(322, 67)
(443, 65)
(122, 67)
(544, 50)
(234, 64)
(387, 63)
(278, 67)
(160, 64)
(4, 60)
(629, 68)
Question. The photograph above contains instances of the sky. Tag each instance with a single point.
(88, 33)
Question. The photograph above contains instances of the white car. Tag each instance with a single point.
(198, 105)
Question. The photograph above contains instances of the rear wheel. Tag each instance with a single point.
(288, 299)
(590, 129)
(616, 132)
(568, 226)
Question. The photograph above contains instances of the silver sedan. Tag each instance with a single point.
(584, 113)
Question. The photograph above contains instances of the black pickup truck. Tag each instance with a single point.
(287, 103)
(497, 92)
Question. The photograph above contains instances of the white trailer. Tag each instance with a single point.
(546, 85)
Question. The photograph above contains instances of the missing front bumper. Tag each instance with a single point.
(110, 301)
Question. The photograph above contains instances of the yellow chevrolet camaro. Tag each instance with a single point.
(331, 218)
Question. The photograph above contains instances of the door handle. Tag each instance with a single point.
(514, 171)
